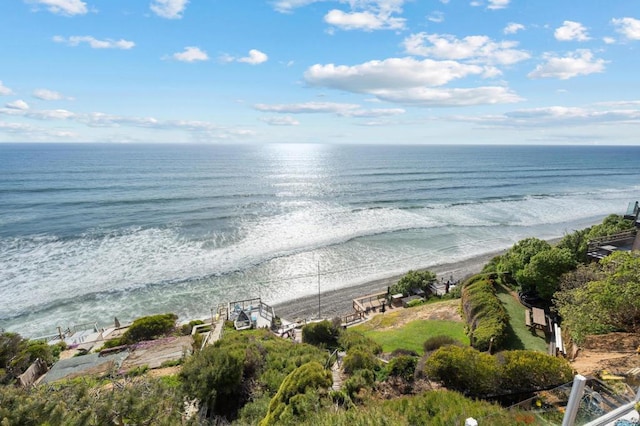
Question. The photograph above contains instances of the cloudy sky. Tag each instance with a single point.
(320, 71)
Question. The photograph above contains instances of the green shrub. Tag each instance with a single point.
(186, 329)
(149, 328)
(414, 280)
(323, 333)
(403, 367)
(359, 359)
(137, 371)
(351, 339)
(486, 317)
(171, 363)
(464, 369)
(415, 302)
(297, 395)
(436, 342)
(523, 371)
(112, 343)
(362, 379)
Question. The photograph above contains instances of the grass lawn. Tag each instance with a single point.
(413, 334)
(519, 335)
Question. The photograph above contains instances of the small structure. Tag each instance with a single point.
(370, 302)
(599, 248)
(248, 313)
(242, 321)
(409, 299)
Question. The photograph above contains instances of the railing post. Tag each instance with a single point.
(577, 390)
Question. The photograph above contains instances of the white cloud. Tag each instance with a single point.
(255, 57)
(307, 108)
(571, 31)
(498, 4)
(389, 73)
(409, 81)
(35, 133)
(287, 120)
(477, 49)
(436, 17)
(287, 6)
(55, 114)
(580, 62)
(557, 116)
(47, 95)
(609, 40)
(374, 113)
(94, 43)
(340, 109)
(367, 15)
(63, 7)
(446, 97)
(628, 27)
(170, 9)
(191, 54)
(513, 28)
(18, 104)
(366, 20)
(4, 90)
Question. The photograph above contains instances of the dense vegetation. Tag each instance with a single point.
(478, 374)
(485, 315)
(18, 353)
(253, 377)
(602, 297)
(89, 402)
(414, 280)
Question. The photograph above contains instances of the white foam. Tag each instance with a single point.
(143, 269)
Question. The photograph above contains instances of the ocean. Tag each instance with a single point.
(89, 232)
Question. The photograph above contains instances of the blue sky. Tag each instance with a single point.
(320, 71)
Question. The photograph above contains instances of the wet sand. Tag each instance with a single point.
(339, 302)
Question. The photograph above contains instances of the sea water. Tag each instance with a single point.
(89, 232)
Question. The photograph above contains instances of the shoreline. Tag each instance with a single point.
(339, 302)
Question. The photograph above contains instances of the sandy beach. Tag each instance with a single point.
(339, 302)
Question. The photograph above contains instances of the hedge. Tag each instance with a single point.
(478, 374)
(485, 315)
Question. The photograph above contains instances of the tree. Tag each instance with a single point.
(414, 280)
(518, 256)
(609, 304)
(542, 273)
(611, 224)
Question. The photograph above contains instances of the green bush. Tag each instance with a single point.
(362, 379)
(351, 339)
(486, 317)
(414, 280)
(112, 343)
(415, 302)
(149, 328)
(359, 359)
(479, 374)
(403, 367)
(186, 329)
(323, 333)
(437, 342)
(524, 371)
(464, 369)
(296, 395)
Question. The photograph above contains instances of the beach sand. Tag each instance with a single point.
(338, 302)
